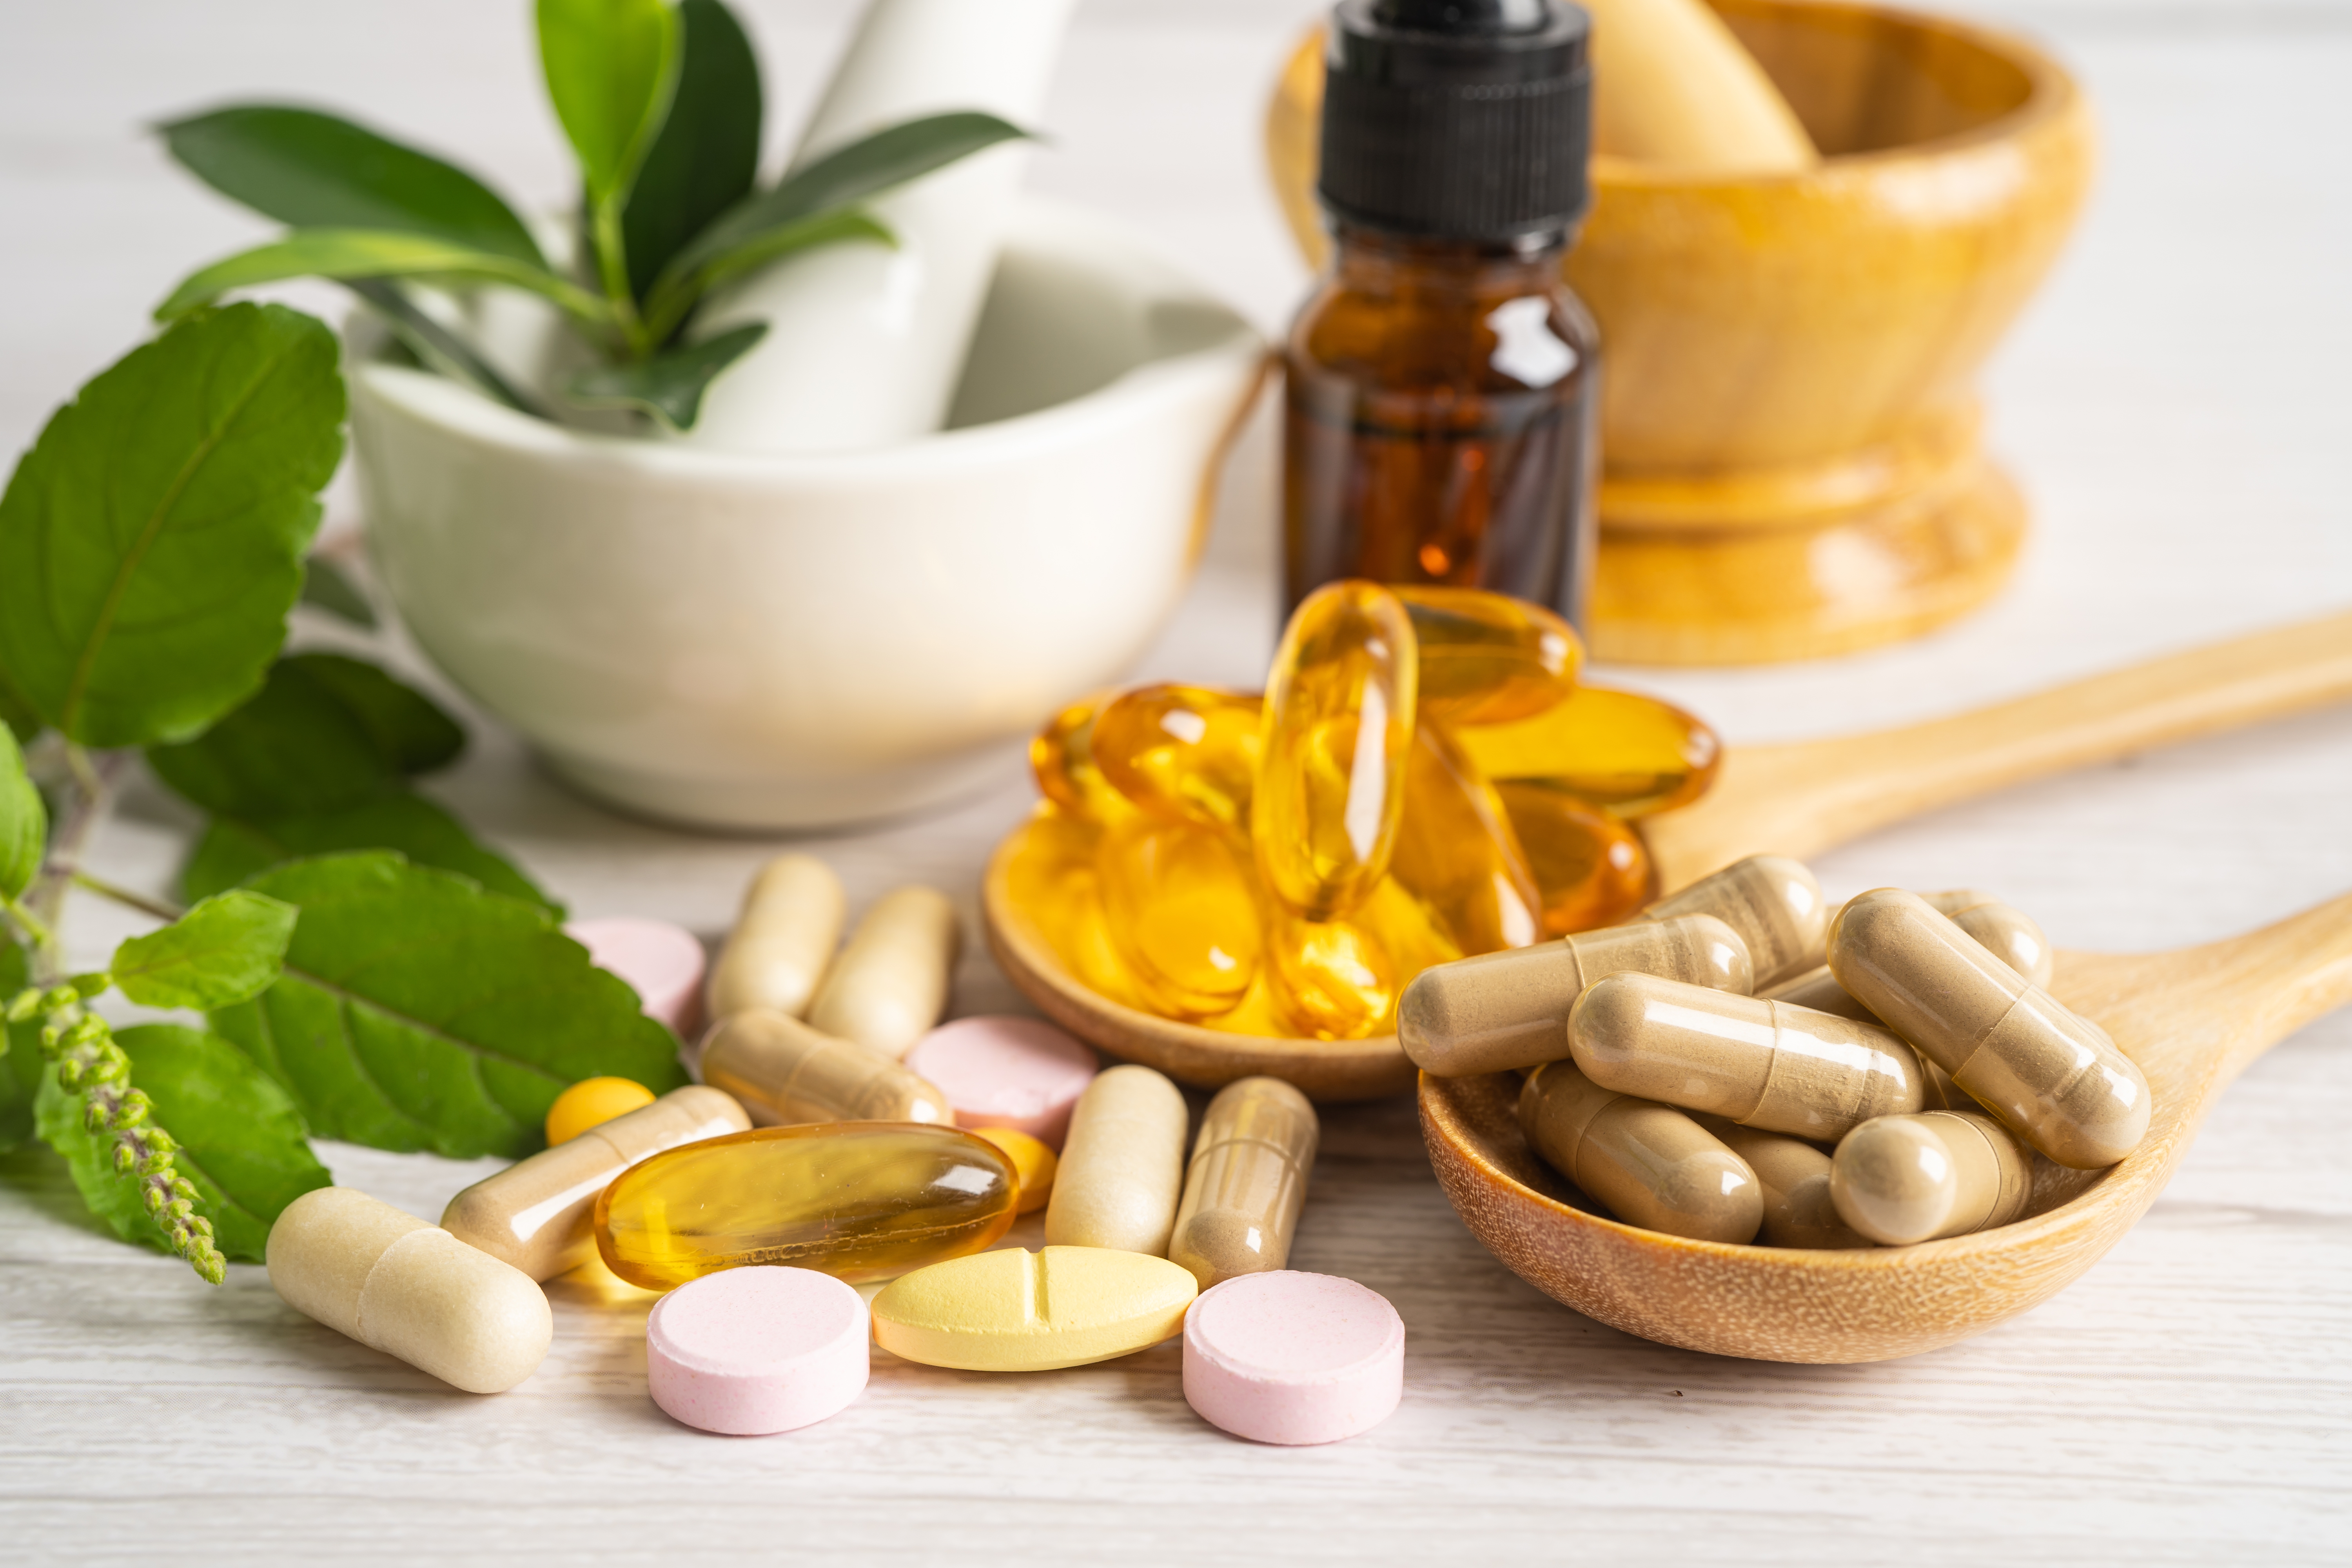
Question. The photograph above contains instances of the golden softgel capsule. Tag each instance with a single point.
(861, 1200)
(1653, 1165)
(1763, 1064)
(1592, 870)
(1510, 1009)
(1488, 659)
(1902, 1178)
(1182, 914)
(2056, 1080)
(1628, 753)
(1183, 753)
(1062, 759)
(1773, 902)
(784, 1071)
(1457, 852)
(1246, 1181)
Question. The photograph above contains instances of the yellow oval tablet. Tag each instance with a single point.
(1012, 1311)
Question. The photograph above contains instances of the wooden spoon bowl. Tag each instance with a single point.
(2192, 1018)
(1794, 799)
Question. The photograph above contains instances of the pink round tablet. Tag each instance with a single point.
(662, 962)
(755, 1350)
(1293, 1358)
(1007, 1073)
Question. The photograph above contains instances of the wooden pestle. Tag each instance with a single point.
(1673, 87)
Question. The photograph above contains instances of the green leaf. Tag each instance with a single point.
(842, 178)
(151, 541)
(668, 386)
(437, 347)
(346, 254)
(230, 853)
(309, 170)
(225, 951)
(419, 1011)
(325, 731)
(240, 1140)
(707, 156)
(21, 1068)
(327, 586)
(23, 822)
(610, 64)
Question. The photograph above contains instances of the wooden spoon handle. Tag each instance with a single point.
(1799, 798)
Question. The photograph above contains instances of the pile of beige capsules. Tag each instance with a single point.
(1738, 1060)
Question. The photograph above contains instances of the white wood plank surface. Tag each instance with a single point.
(2176, 404)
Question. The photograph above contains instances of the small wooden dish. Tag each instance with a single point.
(2192, 1019)
(1794, 799)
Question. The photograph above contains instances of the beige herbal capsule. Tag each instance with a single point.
(1509, 1009)
(787, 1072)
(891, 983)
(1653, 1165)
(408, 1288)
(1902, 1179)
(782, 940)
(1122, 1166)
(535, 1215)
(1246, 1181)
(1773, 902)
(1818, 989)
(2054, 1080)
(2009, 934)
(1763, 1064)
(1795, 1176)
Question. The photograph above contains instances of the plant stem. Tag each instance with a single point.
(613, 271)
(124, 896)
(94, 779)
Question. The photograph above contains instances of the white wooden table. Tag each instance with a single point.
(2176, 403)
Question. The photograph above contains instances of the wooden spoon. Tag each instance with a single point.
(2192, 1018)
(1796, 799)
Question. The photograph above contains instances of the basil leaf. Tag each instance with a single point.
(240, 1140)
(670, 386)
(309, 170)
(348, 254)
(419, 1011)
(609, 66)
(23, 822)
(225, 951)
(327, 586)
(325, 732)
(706, 155)
(151, 541)
(20, 1068)
(234, 852)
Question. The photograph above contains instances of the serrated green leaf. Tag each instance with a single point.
(241, 1140)
(706, 155)
(309, 170)
(20, 1068)
(610, 66)
(230, 853)
(151, 541)
(225, 951)
(23, 822)
(668, 386)
(327, 586)
(346, 254)
(325, 732)
(418, 1011)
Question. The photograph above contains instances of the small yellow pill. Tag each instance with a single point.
(591, 1102)
(1012, 1311)
(1032, 1162)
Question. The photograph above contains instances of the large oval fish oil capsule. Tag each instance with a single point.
(1507, 1010)
(857, 1200)
(1052, 878)
(1653, 1165)
(1122, 1167)
(1902, 1178)
(1182, 909)
(535, 1215)
(1456, 852)
(1627, 753)
(786, 1072)
(1337, 725)
(1185, 753)
(1488, 659)
(1330, 979)
(1061, 758)
(784, 940)
(1798, 1209)
(1590, 870)
(1246, 1182)
(1775, 905)
(1763, 1064)
(2056, 1080)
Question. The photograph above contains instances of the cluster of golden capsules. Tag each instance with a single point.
(1423, 778)
(1738, 1061)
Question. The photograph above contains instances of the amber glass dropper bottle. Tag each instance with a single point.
(1442, 384)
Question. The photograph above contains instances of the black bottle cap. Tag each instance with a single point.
(1457, 118)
